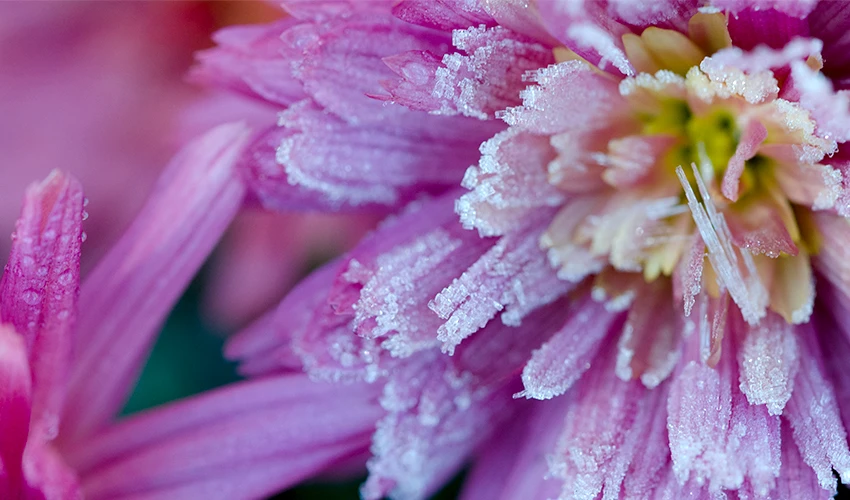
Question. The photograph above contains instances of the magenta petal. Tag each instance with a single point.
(40, 288)
(250, 60)
(754, 134)
(48, 475)
(15, 407)
(513, 464)
(125, 299)
(446, 15)
(814, 416)
(830, 22)
(773, 23)
(244, 441)
(796, 479)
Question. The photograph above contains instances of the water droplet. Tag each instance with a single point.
(31, 297)
(27, 261)
(85, 202)
(65, 278)
(83, 237)
(85, 215)
(63, 314)
(50, 234)
(41, 271)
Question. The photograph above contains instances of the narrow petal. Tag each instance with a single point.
(15, 407)
(796, 479)
(245, 441)
(125, 299)
(513, 464)
(813, 414)
(40, 287)
(754, 134)
(830, 22)
(446, 15)
(768, 359)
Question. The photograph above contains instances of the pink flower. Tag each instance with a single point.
(656, 187)
(69, 354)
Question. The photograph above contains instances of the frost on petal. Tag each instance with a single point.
(562, 360)
(485, 75)
(16, 395)
(648, 348)
(612, 432)
(125, 299)
(446, 15)
(832, 326)
(521, 17)
(509, 183)
(384, 163)
(251, 60)
(436, 417)
(513, 277)
(568, 96)
(830, 109)
(768, 360)
(716, 436)
(40, 287)
(796, 479)
(393, 302)
(814, 416)
(512, 464)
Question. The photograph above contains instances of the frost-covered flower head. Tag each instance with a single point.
(651, 237)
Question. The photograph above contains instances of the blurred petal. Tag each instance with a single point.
(40, 287)
(124, 301)
(246, 441)
(15, 406)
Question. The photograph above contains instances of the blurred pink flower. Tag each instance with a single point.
(656, 186)
(68, 362)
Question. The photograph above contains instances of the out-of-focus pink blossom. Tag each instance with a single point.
(655, 188)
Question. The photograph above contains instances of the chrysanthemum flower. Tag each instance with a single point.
(70, 353)
(650, 244)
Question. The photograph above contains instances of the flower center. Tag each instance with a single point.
(703, 155)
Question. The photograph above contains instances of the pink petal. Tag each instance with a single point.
(555, 367)
(611, 428)
(40, 288)
(436, 418)
(829, 108)
(832, 327)
(831, 260)
(715, 435)
(796, 479)
(248, 440)
(127, 296)
(379, 162)
(513, 463)
(829, 22)
(48, 476)
(521, 17)
(446, 15)
(797, 9)
(509, 183)
(754, 134)
(766, 22)
(15, 407)
(513, 278)
(768, 360)
(251, 60)
(569, 96)
(813, 414)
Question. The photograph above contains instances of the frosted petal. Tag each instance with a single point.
(768, 361)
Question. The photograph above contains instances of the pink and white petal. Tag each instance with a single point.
(340, 62)
(484, 76)
(15, 410)
(830, 21)
(509, 184)
(521, 17)
(40, 287)
(814, 416)
(587, 28)
(831, 261)
(561, 361)
(768, 360)
(445, 15)
(607, 428)
(288, 425)
(829, 108)
(251, 60)
(716, 437)
(820, 187)
(384, 163)
(128, 295)
(436, 418)
(513, 277)
(568, 96)
(796, 479)
(513, 463)
(797, 9)
(831, 325)
(648, 348)
(751, 139)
